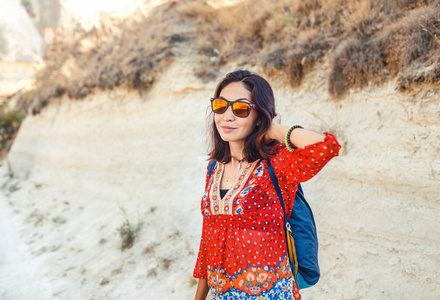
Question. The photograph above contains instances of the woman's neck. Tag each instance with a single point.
(237, 157)
(236, 150)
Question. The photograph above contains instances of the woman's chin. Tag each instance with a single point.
(226, 137)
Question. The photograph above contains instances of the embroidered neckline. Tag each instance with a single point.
(224, 206)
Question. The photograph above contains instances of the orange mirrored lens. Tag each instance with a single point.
(241, 109)
(219, 106)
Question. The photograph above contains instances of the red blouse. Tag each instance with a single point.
(243, 250)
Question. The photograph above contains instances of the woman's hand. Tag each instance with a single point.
(275, 130)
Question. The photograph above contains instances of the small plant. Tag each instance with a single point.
(10, 186)
(26, 3)
(128, 234)
(36, 217)
(165, 263)
(58, 220)
(149, 249)
(14, 187)
(103, 281)
(152, 273)
(10, 121)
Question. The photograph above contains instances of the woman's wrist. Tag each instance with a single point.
(303, 137)
(287, 140)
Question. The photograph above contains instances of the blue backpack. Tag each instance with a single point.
(301, 237)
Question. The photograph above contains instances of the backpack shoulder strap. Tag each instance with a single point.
(289, 237)
(299, 192)
(277, 186)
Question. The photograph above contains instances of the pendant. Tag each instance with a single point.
(239, 166)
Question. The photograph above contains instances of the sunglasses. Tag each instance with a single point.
(240, 108)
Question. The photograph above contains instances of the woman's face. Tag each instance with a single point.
(234, 129)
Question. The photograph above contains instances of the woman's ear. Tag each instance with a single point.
(258, 122)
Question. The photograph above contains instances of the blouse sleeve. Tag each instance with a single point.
(304, 163)
(200, 268)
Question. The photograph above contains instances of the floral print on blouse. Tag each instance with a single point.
(243, 250)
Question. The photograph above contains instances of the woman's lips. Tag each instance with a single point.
(227, 129)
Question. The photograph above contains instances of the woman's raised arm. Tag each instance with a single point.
(299, 137)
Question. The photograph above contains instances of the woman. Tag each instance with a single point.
(243, 252)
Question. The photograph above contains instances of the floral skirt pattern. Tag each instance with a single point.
(255, 283)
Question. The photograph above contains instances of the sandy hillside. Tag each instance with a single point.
(81, 168)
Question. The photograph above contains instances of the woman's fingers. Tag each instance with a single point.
(277, 119)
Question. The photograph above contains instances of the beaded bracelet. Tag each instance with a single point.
(289, 145)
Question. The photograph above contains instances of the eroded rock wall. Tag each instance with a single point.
(117, 155)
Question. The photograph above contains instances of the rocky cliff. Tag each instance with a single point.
(82, 168)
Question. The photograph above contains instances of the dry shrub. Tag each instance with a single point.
(363, 38)
(274, 58)
(120, 53)
(295, 59)
(303, 56)
(429, 75)
(306, 7)
(367, 41)
(128, 234)
(227, 32)
(413, 40)
(355, 64)
(10, 122)
(206, 69)
(360, 17)
(165, 263)
(246, 31)
(406, 46)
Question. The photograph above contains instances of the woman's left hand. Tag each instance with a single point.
(274, 130)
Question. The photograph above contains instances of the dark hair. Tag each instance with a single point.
(255, 147)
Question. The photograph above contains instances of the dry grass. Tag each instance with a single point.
(121, 53)
(414, 45)
(355, 64)
(10, 122)
(367, 41)
(409, 46)
(128, 234)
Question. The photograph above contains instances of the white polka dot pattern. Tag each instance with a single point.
(243, 249)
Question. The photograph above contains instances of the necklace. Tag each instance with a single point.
(239, 162)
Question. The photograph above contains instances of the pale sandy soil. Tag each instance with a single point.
(20, 272)
(83, 167)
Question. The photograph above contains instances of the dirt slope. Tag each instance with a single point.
(83, 167)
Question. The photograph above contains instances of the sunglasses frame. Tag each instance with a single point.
(231, 103)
